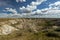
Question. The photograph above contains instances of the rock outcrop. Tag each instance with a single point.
(6, 29)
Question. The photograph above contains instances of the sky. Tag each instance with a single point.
(30, 8)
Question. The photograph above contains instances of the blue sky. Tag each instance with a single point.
(19, 8)
(14, 4)
(46, 4)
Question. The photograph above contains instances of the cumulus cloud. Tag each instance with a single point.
(13, 13)
(20, 0)
(52, 11)
(55, 5)
(54, 8)
(11, 10)
(26, 11)
(30, 8)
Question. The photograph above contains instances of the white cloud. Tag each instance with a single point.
(29, 9)
(11, 10)
(26, 10)
(33, 5)
(55, 5)
(54, 9)
(20, 0)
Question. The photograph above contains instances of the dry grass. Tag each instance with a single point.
(43, 26)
